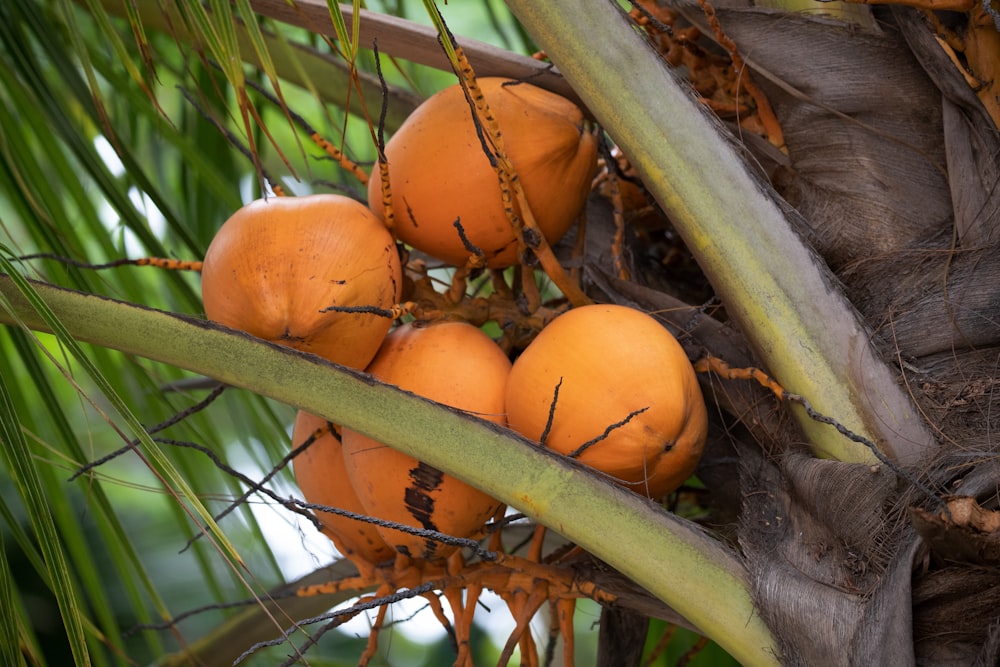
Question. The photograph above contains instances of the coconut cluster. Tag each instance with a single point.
(605, 385)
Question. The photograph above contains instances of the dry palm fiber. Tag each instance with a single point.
(866, 171)
(829, 559)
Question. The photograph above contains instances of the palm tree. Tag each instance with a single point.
(843, 244)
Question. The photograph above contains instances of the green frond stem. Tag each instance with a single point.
(672, 558)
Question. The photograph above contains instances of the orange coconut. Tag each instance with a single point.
(452, 363)
(438, 171)
(276, 264)
(323, 480)
(624, 385)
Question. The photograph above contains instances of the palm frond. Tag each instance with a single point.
(32, 491)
